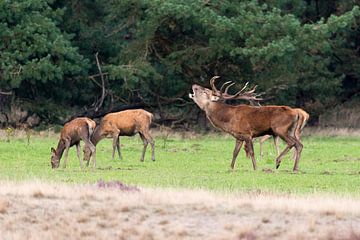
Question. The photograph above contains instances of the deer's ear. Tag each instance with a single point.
(214, 98)
(53, 150)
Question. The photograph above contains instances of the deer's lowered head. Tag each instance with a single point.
(55, 158)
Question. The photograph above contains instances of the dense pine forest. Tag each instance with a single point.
(65, 58)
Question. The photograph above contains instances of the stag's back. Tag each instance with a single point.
(265, 119)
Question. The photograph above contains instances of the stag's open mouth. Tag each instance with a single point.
(192, 95)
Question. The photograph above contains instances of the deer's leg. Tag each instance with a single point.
(78, 154)
(152, 144)
(250, 151)
(115, 138)
(67, 146)
(118, 148)
(290, 141)
(93, 155)
(298, 148)
(89, 149)
(297, 136)
(145, 146)
(276, 143)
(237, 148)
(262, 140)
(146, 134)
(116, 135)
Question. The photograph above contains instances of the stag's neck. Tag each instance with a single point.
(60, 149)
(220, 115)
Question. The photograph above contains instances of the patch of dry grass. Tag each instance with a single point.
(62, 211)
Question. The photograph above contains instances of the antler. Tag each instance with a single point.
(212, 83)
(250, 95)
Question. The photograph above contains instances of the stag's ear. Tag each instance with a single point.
(214, 98)
(53, 150)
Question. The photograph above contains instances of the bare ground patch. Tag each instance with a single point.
(57, 211)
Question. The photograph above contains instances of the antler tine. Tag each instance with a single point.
(244, 87)
(212, 83)
(222, 87)
(250, 95)
(227, 88)
(239, 92)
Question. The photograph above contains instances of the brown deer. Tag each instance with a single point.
(247, 122)
(71, 134)
(303, 118)
(124, 123)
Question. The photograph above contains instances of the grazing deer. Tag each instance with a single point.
(71, 134)
(124, 123)
(303, 118)
(247, 122)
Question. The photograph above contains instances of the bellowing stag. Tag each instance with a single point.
(245, 122)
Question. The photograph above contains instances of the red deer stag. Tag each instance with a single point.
(124, 123)
(247, 122)
(72, 133)
(303, 118)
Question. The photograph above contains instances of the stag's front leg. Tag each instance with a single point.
(298, 149)
(237, 148)
(250, 151)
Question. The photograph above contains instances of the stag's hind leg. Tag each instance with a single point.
(291, 142)
(262, 140)
(276, 143)
(298, 149)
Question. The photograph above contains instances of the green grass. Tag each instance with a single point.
(328, 164)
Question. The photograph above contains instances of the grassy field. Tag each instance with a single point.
(328, 165)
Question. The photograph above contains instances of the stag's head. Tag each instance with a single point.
(203, 96)
(55, 160)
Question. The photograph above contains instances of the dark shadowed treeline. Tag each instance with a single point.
(66, 58)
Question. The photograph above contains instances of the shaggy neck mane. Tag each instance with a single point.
(220, 114)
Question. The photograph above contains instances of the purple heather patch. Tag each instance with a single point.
(117, 185)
